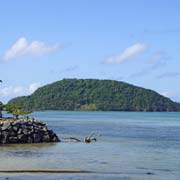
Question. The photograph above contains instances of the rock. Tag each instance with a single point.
(26, 131)
(55, 139)
(13, 139)
(44, 128)
(29, 140)
(5, 140)
(4, 133)
(19, 131)
(37, 138)
(22, 138)
(46, 138)
(11, 133)
(6, 125)
(15, 128)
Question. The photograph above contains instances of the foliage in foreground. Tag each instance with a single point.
(16, 110)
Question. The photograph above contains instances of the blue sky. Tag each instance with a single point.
(132, 41)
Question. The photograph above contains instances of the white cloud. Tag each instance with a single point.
(127, 54)
(11, 91)
(33, 87)
(24, 48)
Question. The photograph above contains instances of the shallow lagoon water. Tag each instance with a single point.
(130, 146)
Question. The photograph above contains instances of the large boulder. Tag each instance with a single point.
(26, 131)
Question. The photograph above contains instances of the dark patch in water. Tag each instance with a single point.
(150, 173)
(167, 170)
(95, 161)
(28, 153)
(103, 162)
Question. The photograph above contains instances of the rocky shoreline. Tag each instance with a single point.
(25, 131)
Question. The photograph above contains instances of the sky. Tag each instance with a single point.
(137, 42)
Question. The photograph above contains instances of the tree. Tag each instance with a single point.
(16, 110)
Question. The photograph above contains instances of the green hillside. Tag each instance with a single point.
(92, 94)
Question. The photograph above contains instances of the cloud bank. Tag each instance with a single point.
(11, 91)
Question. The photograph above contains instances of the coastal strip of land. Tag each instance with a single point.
(44, 171)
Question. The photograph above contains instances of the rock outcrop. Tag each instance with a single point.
(25, 131)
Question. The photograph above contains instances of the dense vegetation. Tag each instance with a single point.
(91, 94)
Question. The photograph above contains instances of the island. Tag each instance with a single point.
(96, 95)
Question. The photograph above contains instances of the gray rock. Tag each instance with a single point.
(6, 125)
(4, 133)
(22, 131)
(55, 139)
(13, 139)
(22, 138)
(15, 128)
(5, 139)
(29, 140)
(19, 131)
(46, 138)
(37, 138)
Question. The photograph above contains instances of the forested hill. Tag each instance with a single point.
(92, 94)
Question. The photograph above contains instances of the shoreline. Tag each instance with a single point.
(43, 171)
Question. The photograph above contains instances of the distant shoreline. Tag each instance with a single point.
(100, 111)
(43, 171)
(105, 111)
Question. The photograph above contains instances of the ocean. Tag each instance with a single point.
(130, 146)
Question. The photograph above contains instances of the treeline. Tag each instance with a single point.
(92, 94)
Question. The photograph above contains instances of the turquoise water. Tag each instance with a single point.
(138, 146)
